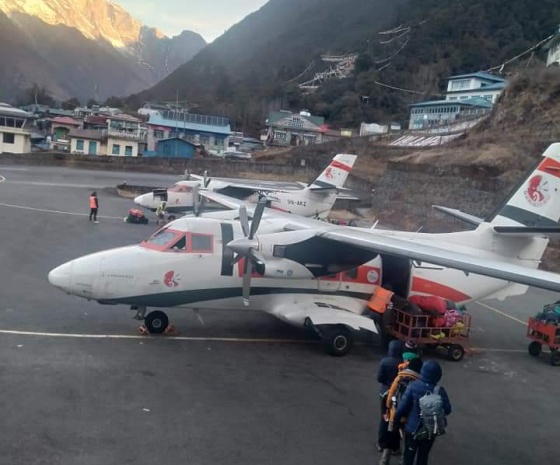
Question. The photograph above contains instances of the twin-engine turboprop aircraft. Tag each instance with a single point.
(311, 273)
(314, 200)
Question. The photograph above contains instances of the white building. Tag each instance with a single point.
(104, 142)
(15, 133)
(475, 85)
(553, 48)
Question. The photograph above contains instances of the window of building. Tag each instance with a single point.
(204, 140)
(79, 144)
(452, 98)
(488, 97)
(460, 85)
(158, 134)
(9, 138)
(116, 149)
(201, 243)
(128, 150)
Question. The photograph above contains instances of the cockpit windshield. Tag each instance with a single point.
(180, 241)
(180, 188)
(162, 237)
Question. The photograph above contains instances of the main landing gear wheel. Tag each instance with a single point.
(337, 341)
(455, 352)
(535, 348)
(156, 322)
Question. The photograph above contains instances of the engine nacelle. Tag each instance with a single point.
(287, 269)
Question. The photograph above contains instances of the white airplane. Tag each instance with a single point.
(311, 273)
(314, 200)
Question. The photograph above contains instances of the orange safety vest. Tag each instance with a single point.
(379, 300)
(92, 202)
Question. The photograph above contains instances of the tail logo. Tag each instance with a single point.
(537, 193)
(171, 279)
(328, 173)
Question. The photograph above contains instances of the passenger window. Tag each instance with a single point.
(201, 243)
(180, 245)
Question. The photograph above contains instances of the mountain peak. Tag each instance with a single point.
(95, 19)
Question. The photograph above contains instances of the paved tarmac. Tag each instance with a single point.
(211, 396)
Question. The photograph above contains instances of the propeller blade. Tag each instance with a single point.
(247, 281)
(187, 174)
(206, 178)
(196, 201)
(257, 217)
(244, 220)
(237, 259)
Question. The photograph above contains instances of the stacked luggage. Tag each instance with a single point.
(136, 216)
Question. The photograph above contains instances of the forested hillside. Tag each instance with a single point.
(251, 68)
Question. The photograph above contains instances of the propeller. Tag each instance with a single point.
(199, 202)
(207, 179)
(187, 175)
(247, 247)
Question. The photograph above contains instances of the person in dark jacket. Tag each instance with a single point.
(386, 372)
(410, 407)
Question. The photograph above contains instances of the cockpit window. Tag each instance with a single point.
(180, 245)
(162, 237)
(180, 188)
(201, 243)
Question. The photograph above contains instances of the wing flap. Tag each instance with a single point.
(470, 219)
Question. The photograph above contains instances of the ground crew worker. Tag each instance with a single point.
(380, 305)
(93, 207)
(160, 212)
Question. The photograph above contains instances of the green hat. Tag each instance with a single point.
(408, 356)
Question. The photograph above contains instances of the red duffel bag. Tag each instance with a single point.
(430, 303)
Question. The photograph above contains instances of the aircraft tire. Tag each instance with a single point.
(337, 341)
(156, 322)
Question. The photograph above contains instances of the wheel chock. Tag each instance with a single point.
(142, 329)
(171, 331)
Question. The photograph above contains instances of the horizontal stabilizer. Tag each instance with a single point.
(470, 219)
(528, 231)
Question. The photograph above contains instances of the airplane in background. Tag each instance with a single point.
(314, 274)
(313, 200)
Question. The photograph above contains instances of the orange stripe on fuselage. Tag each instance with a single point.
(425, 286)
(550, 166)
(342, 166)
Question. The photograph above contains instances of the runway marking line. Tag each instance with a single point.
(2, 178)
(44, 210)
(517, 320)
(143, 338)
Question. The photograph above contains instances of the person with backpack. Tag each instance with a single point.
(426, 404)
(386, 372)
(396, 391)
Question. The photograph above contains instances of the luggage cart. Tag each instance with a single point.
(418, 328)
(542, 334)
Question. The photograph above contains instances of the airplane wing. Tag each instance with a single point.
(253, 185)
(411, 249)
(466, 217)
(296, 315)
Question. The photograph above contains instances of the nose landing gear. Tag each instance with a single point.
(156, 322)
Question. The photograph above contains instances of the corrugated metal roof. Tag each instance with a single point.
(158, 120)
(472, 102)
(275, 116)
(478, 90)
(479, 75)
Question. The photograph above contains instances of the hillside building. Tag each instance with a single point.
(212, 132)
(174, 147)
(468, 97)
(553, 49)
(285, 128)
(62, 125)
(105, 142)
(476, 85)
(15, 131)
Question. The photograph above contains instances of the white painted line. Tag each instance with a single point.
(52, 184)
(2, 178)
(6, 168)
(499, 312)
(140, 337)
(44, 210)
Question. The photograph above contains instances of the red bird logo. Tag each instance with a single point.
(534, 190)
(328, 173)
(170, 279)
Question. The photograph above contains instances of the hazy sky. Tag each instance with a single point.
(210, 18)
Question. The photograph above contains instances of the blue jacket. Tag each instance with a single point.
(389, 367)
(409, 405)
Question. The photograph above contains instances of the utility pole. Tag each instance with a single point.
(176, 123)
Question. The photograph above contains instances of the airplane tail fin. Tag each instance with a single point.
(522, 225)
(535, 202)
(334, 175)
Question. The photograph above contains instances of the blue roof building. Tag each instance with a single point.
(174, 147)
(445, 113)
(475, 85)
(213, 132)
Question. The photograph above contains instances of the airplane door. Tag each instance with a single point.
(329, 283)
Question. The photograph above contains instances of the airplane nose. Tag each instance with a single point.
(140, 200)
(61, 277)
